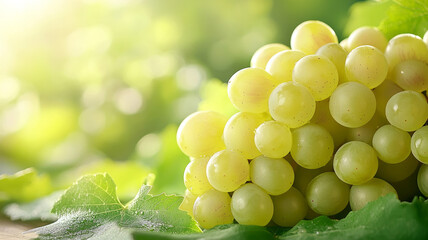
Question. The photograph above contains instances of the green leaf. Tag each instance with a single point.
(90, 209)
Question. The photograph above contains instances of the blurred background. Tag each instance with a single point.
(101, 85)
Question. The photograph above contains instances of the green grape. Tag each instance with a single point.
(274, 175)
(365, 133)
(195, 139)
(423, 179)
(367, 36)
(355, 162)
(213, 208)
(251, 205)
(292, 104)
(318, 74)
(312, 146)
(345, 45)
(188, 202)
(426, 38)
(366, 65)
(273, 139)
(302, 176)
(309, 36)
(326, 194)
(352, 104)
(419, 144)
(411, 75)
(262, 56)
(249, 90)
(362, 194)
(239, 133)
(336, 54)
(281, 65)
(399, 171)
(383, 93)
(289, 208)
(195, 177)
(407, 110)
(392, 144)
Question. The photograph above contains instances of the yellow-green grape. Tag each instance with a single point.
(411, 75)
(326, 194)
(365, 133)
(281, 65)
(419, 144)
(195, 139)
(352, 104)
(423, 179)
(362, 194)
(337, 54)
(195, 176)
(249, 90)
(407, 110)
(311, 35)
(239, 133)
(289, 208)
(262, 56)
(312, 146)
(273, 139)
(302, 176)
(292, 104)
(212, 208)
(355, 162)
(426, 38)
(318, 74)
(397, 172)
(383, 93)
(367, 36)
(345, 45)
(188, 202)
(227, 170)
(392, 144)
(366, 65)
(251, 205)
(274, 175)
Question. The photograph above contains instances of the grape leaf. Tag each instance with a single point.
(90, 209)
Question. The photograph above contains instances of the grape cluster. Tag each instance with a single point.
(320, 126)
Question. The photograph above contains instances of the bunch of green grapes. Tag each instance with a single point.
(321, 125)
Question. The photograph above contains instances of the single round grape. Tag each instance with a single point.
(367, 36)
(292, 104)
(423, 179)
(212, 208)
(355, 162)
(289, 208)
(392, 144)
(273, 139)
(303, 176)
(281, 65)
(326, 194)
(249, 90)
(251, 205)
(407, 110)
(383, 93)
(188, 202)
(227, 170)
(274, 175)
(337, 55)
(419, 144)
(362, 194)
(195, 177)
(352, 104)
(397, 172)
(309, 36)
(262, 56)
(365, 133)
(345, 45)
(411, 75)
(195, 139)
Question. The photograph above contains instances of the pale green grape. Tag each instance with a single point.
(188, 202)
(309, 36)
(249, 90)
(355, 162)
(274, 175)
(365, 133)
(195, 176)
(302, 176)
(407, 110)
(273, 139)
(419, 144)
(326, 194)
(312, 146)
(392, 144)
(251, 205)
(362, 194)
(262, 56)
(212, 208)
(411, 75)
(227, 170)
(336, 54)
(352, 104)
(423, 180)
(383, 93)
(318, 74)
(345, 45)
(289, 208)
(367, 36)
(399, 171)
(239, 133)
(195, 139)
(366, 65)
(426, 38)
(281, 65)
(292, 104)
